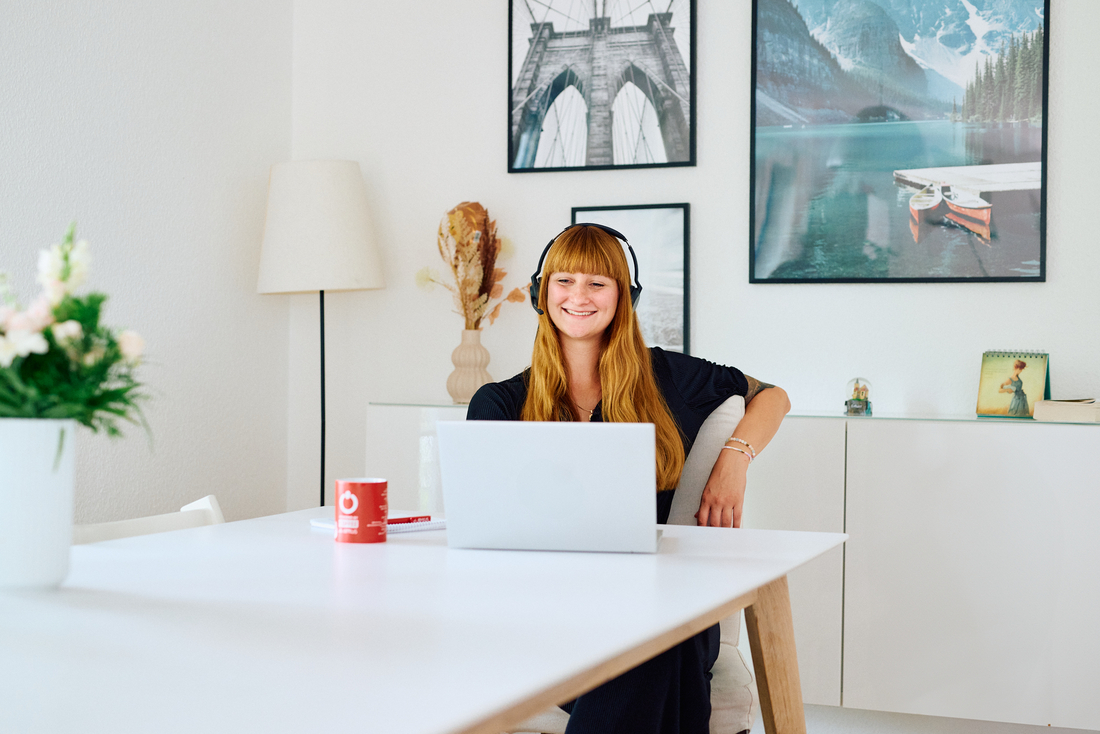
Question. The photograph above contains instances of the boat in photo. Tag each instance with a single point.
(967, 210)
(925, 207)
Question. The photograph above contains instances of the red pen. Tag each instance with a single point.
(402, 520)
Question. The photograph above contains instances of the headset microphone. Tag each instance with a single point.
(536, 277)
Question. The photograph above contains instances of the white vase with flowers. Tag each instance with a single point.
(59, 367)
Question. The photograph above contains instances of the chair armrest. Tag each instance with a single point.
(713, 434)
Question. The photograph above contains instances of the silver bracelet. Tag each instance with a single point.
(740, 451)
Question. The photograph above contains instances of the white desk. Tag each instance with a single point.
(267, 625)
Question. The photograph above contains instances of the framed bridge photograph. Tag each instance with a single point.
(898, 141)
(659, 234)
(601, 84)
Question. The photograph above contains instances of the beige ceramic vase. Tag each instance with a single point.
(470, 360)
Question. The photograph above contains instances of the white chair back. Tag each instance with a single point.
(713, 434)
(205, 511)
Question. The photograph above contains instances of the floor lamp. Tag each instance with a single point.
(318, 237)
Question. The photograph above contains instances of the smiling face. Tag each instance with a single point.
(581, 306)
(585, 291)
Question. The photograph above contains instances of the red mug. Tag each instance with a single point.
(361, 510)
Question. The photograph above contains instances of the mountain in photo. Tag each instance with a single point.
(798, 81)
(947, 38)
(854, 68)
(866, 41)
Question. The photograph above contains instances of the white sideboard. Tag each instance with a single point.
(969, 587)
(972, 575)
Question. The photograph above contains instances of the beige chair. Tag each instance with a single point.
(200, 512)
(733, 696)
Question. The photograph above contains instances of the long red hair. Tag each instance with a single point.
(630, 393)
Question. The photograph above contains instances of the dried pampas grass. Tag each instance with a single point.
(468, 243)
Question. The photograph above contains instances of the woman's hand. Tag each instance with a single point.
(724, 496)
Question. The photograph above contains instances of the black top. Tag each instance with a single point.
(692, 389)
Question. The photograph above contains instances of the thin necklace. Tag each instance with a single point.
(590, 412)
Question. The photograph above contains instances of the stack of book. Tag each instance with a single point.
(1085, 410)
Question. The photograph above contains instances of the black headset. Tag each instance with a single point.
(536, 278)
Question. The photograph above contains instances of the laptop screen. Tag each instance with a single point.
(549, 486)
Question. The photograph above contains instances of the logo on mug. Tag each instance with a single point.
(344, 497)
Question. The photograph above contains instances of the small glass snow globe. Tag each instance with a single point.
(858, 400)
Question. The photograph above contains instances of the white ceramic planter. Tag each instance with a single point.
(36, 501)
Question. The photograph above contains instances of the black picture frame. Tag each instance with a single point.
(840, 145)
(660, 235)
(551, 81)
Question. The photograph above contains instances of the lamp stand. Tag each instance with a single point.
(322, 398)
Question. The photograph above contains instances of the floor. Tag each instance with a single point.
(834, 720)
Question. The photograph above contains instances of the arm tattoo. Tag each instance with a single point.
(755, 388)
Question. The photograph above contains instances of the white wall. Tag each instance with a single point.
(417, 92)
(153, 126)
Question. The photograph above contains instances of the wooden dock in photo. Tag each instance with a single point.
(976, 179)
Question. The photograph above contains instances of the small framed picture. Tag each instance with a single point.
(600, 85)
(1012, 382)
(659, 235)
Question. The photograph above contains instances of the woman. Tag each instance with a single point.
(591, 364)
(1015, 385)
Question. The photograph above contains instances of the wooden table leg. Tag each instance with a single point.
(771, 637)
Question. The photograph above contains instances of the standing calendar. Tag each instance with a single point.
(1011, 382)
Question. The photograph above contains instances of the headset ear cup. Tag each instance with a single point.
(635, 294)
(536, 277)
(536, 283)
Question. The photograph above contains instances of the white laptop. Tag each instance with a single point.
(549, 486)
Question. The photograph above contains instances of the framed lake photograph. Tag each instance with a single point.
(596, 85)
(659, 236)
(898, 141)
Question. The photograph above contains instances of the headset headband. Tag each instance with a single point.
(536, 277)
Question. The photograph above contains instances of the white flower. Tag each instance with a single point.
(63, 268)
(20, 344)
(7, 351)
(131, 345)
(50, 264)
(34, 319)
(68, 330)
(54, 291)
(79, 260)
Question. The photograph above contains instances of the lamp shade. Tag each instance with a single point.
(317, 236)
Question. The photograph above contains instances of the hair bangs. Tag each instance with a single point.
(588, 250)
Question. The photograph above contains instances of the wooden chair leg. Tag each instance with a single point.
(771, 637)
